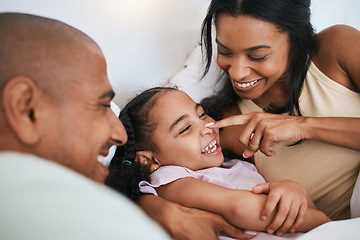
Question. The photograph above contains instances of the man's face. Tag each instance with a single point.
(83, 127)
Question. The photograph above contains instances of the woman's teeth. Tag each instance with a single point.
(210, 148)
(244, 85)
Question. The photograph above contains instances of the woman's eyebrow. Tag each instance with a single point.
(247, 49)
(256, 47)
(218, 42)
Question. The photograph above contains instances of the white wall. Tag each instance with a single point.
(146, 42)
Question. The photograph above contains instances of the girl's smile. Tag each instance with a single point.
(181, 137)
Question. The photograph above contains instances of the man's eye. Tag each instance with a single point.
(185, 129)
(106, 105)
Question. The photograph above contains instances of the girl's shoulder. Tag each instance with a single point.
(337, 47)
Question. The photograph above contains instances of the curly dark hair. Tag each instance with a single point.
(291, 17)
(124, 172)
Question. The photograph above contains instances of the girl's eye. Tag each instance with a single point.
(203, 115)
(185, 129)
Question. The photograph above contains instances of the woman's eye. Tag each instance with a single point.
(257, 58)
(185, 129)
(223, 53)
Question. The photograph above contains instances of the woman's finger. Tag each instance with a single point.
(230, 121)
(290, 219)
(300, 218)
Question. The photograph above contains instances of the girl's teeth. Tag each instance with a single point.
(210, 148)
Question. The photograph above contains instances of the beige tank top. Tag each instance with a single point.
(328, 172)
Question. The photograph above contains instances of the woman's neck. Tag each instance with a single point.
(276, 95)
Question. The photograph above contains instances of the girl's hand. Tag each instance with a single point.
(263, 130)
(291, 200)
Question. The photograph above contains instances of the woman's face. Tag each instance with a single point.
(253, 53)
(180, 137)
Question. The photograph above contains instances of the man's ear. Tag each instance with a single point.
(20, 95)
(147, 158)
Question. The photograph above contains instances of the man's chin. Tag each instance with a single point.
(101, 172)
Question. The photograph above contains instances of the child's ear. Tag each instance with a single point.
(147, 158)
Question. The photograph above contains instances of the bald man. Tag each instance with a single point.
(55, 124)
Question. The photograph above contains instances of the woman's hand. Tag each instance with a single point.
(264, 130)
(291, 200)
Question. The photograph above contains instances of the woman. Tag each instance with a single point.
(298, 93)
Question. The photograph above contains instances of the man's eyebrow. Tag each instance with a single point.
(247, 49)
(109, 94)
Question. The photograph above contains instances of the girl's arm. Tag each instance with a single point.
(187, 223)
(240, 207)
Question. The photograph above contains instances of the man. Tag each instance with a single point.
(55, 124)
(55, 104)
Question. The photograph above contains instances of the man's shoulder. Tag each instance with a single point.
(46, 200)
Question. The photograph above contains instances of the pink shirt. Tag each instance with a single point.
(234, 174)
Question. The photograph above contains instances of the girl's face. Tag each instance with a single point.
(253, 53)
(181, 137)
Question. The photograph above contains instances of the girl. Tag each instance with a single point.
(170, 149)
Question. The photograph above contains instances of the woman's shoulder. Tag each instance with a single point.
(337, 44)
(335, 38)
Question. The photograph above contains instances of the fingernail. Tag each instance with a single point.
(264, 218)
(250, 232)
(270, 231)
(209, 124)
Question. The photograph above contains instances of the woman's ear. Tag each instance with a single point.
(19, 97)
(146, 158)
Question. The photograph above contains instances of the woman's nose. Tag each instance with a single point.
(238, 71)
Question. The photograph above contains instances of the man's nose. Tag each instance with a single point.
(118, 133)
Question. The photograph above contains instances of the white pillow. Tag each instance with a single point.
(189, 78)
(355, 200)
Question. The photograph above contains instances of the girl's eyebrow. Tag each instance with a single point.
(182, 117)
(247, 49)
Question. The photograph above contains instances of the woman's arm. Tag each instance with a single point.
(241, 208)
(187, 223)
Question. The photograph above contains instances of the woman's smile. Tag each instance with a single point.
(246, 86)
